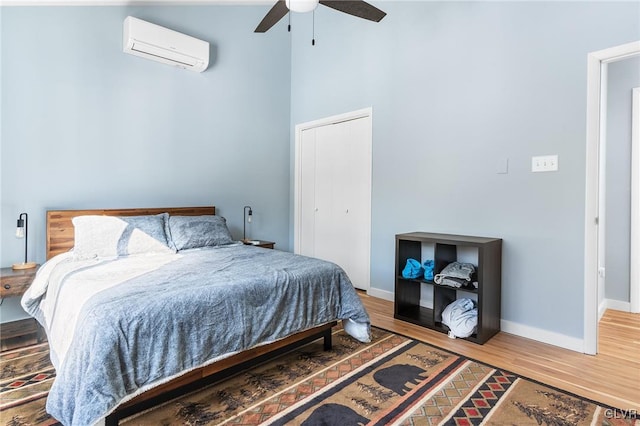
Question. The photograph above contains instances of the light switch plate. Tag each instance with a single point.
(502, 166)
(544, 163)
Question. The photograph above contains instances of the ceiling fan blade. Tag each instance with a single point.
(358, 8)
(277, 12)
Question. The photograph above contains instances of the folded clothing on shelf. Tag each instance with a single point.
(412, 269)
(456, 274)
(429, 266)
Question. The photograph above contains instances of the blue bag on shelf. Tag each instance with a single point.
(429, 266)
(413, 269)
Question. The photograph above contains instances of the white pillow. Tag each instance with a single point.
(359, 330)
(113, 236)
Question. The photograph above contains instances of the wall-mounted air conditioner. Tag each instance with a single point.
(161, 44)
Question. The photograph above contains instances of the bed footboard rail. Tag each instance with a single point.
(220, 370)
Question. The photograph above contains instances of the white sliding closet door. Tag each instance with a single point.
(334, 195)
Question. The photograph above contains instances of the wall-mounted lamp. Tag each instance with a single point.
(246, 218)
(22, 232)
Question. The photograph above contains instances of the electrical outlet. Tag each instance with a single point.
(544, 163)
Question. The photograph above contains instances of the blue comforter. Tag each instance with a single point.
(117, 329)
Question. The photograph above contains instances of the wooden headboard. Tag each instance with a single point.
(60, 232)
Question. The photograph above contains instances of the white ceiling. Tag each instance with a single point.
(132, 2)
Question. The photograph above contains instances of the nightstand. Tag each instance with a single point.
(14, 282)
(260, 243)
(23, 332)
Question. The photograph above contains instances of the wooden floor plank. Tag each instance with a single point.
(612, 377)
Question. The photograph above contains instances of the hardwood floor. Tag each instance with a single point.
(612, 377)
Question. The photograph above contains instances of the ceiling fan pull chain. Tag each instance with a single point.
(313, 26)
(289, 26)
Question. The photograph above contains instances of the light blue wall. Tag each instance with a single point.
(456, 88)
(86, 126)
(622, 77)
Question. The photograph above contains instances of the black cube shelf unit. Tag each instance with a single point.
(444, 249)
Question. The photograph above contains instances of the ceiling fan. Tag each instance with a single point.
(358, 8)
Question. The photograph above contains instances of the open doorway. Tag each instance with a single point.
(595, 183)
(622, 77)
(635, 203)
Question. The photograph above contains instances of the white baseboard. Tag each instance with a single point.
(544, 336)
(390, 296)
(616, 305)
(427, 302)
(381, 294)
(602, 306)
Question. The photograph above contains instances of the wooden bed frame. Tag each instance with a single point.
(60, 231)
(60, 239)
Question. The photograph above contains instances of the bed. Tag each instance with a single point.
(153, 302)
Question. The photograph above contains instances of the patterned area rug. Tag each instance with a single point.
(393, 380)
(26, 375)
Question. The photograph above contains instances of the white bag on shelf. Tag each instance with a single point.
(461, 316)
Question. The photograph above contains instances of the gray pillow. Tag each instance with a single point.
(187, 232)
(112, 236)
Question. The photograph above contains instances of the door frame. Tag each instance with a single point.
(597, 63)
(634, 294)
(297, 190)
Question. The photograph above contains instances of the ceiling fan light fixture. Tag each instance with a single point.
(357, 8)
(302, 6)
